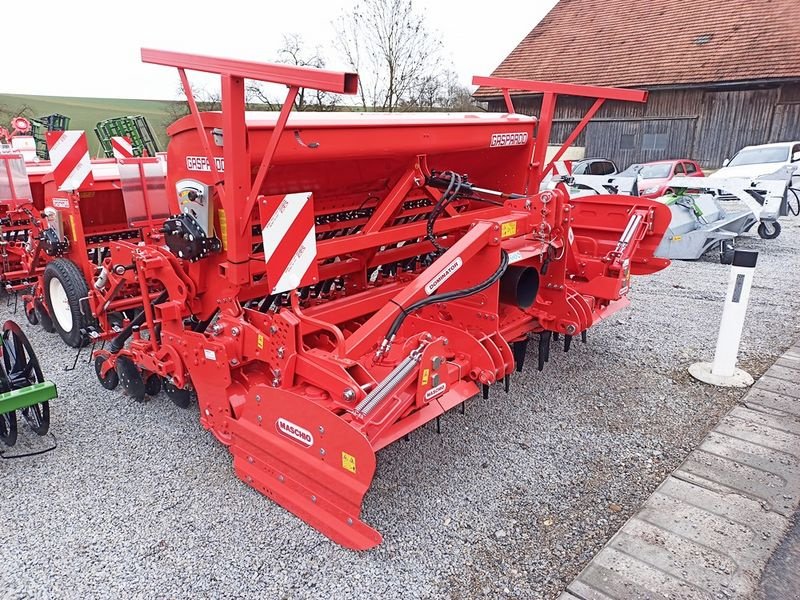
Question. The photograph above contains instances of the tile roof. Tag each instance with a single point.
(643, 43)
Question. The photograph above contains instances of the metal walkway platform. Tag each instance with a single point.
(709, 530)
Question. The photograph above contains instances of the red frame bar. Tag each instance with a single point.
(564, 89)
(550, 92)
(240, 191)
(327, 81)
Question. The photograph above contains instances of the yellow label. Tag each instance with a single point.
(425, 375)
(677, 238)
(260, 342)
(72, 227)
(348, 462)
(223, 229)
(508, 229)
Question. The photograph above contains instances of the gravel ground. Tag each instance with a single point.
(511, 500)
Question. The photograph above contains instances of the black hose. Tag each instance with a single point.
(446, 297)
(450, 194)
(118, 343)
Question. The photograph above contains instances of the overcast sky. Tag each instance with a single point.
(65, 53)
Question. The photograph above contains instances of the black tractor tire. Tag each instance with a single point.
(769, 231)
(74, 287)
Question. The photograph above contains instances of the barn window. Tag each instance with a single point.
(655, 141)
(627, 141)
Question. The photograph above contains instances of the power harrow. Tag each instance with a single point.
(331, 282)
(321, 285)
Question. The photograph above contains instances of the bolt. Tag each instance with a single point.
(249, 479)
(445, 341)
(217, 328)
(313, 498)
(234, 362)
(281, 352)
(259, 418)
(258, 398)
(322, 451)
(571, 329)
(349, 521)
(273, 330)
(235, 331)
(281, 478)
(321, 429)
(250, 459)
(349, 395)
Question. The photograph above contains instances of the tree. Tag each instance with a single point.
(389, 45)
(294, 52)
(207, 100)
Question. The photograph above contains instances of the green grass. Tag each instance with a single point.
(84, 113)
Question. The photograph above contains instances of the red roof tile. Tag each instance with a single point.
(644, 43)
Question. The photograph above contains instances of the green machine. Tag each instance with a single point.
(39, 128)
(135, 128)
(23, 389)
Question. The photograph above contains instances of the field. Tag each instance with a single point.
(86, 112)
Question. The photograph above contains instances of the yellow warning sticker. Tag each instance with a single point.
(260, 342)
(508, 229)
(677, 238)
(426, 373)
(223, 229)
(348, 462)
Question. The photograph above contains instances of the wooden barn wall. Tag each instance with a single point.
(707, 125)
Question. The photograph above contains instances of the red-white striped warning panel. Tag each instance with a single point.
(122, 147)
(69, 157)
(290, 245)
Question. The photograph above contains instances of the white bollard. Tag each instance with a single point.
(723, 372)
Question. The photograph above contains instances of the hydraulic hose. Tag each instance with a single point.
(118, 343)
(446, 297)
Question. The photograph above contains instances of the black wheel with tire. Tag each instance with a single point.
(111, 380)
(30, 314)
(42, 316)
(769, 231)
(64, 286)
(8, 428)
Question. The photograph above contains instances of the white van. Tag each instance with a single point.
(753, 161)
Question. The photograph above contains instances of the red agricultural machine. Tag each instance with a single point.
(57, 227)
(331, 282)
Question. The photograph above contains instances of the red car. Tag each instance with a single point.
(654, 177)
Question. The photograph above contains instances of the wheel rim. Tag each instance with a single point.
(59, 302)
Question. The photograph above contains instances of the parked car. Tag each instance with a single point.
(753, 161)
(594, 166)
(654, 177)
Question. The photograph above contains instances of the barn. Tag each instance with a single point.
(721, 74)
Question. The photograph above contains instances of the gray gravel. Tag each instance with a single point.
(511, 500)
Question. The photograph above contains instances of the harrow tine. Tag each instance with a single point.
(485, 388)
(544, 348)
(506, 383)
(567, 342)
(519, 349)
(584, 336)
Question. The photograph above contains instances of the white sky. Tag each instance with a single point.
(67, 55)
